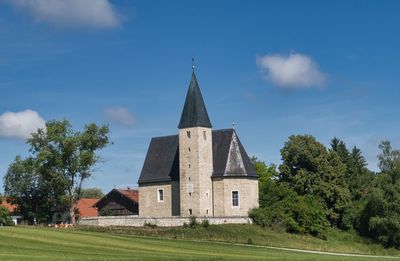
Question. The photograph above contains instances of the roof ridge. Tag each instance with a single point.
(167, 136)
(227, 129)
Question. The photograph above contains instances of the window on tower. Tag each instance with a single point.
(188, 134)
(204, 135)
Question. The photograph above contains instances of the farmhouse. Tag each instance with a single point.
(119, 202)
(199, 172)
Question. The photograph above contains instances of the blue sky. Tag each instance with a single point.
(276, 68)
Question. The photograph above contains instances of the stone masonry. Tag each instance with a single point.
(196, 166)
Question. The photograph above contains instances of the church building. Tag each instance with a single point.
(199, 172)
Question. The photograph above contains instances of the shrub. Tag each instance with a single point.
(283, 208)
(5, 219)
(307, 216)
(261, 216)
(205, 223)
(193, 222)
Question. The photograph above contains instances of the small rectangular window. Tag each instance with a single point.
(160, 195)
(204, 135)
(188, 134)
(235, 198)
(190, 211)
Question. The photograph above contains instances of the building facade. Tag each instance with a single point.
(118, 202)
(199, 172)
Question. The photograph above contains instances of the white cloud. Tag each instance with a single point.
(72, 13)
(292, 71)
(120, 115)
(20, 124)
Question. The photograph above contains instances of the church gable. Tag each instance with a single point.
(230, 157)
(234, 163)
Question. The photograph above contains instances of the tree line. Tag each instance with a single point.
(318, 188)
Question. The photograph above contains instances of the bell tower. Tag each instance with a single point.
(195, 155)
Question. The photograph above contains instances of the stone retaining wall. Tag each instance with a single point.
(136, 221)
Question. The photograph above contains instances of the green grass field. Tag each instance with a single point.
(337, 241)
(27, 243)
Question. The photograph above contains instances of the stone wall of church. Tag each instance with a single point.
(247, 190)
(218, 193)
(136, 221)
(150, 204)
(196, 166)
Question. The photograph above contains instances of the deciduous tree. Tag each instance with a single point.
(25, 188)
(310, 169)
(62, 159)
(65, 158)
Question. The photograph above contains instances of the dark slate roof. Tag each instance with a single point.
(229, 156)
(194, 113)
(162, 160)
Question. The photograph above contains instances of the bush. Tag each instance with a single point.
(193, 222)
(307, 216)
(262, 217)
(283, 208)
(205, 223)
(5, 219)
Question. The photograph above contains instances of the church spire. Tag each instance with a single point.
(194, 112)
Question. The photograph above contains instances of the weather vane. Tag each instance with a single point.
(193, 64)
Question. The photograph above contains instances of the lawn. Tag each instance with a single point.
(27, 243)
(337, 240)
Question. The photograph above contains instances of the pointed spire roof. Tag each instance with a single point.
(194, 112)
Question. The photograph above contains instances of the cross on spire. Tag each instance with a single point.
(193, 64)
